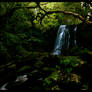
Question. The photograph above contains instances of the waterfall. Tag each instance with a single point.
(62, 38)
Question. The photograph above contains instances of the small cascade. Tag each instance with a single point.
(62, 39)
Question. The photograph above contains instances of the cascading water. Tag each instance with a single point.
(62, 38)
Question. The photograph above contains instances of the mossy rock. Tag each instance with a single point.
(71, 61)
(48, 69)
(12, 66)
(38, 64)
(24, 68)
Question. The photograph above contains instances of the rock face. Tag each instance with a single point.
(84, 35)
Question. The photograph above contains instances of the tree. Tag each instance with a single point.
(46, 8)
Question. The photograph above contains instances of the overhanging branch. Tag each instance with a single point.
(68, 13)
(46, 13)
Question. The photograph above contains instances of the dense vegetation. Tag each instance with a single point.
(28, 32)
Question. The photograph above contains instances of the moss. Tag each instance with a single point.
(38, 64)
(56, 87)
(24, 68)
(72, 61)
(12, 66)
(84, 87)
(1, 70)
(48, 69)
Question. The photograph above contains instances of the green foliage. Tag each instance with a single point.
(5, 56)
(68, 70)
(84, 51)
(2, 48)
(70, 60)
(11, 38)
(68, 19)
(50, 22)
(51, 80)
(57, 67)
(22, 22)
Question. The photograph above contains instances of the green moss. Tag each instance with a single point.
(1, 70)
(84, 87)
(70, 60)
(24, 68)
(12, 66)
(48, 69)
(56, 87)
(38, 64)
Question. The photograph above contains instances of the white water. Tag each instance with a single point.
(60, 39)
(63, 39)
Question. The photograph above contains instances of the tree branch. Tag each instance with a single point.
(38, 5)
(11, 11)
(68, 13)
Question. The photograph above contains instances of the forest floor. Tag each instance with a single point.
(47, 72)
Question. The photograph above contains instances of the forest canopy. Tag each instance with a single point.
(47, 14)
